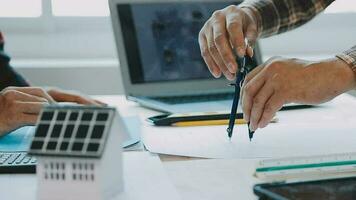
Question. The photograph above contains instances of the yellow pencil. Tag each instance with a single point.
(213, 122)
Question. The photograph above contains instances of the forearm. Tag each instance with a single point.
(337, 78)
(278, 16)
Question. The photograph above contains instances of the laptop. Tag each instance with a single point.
(160, 60)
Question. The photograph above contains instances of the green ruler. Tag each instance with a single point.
(294, 166)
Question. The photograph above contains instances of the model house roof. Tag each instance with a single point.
(72, 131)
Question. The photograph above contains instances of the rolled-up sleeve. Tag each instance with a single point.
(278, 16)
(349, 56)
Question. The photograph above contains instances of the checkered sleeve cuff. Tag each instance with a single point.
(278, 16)
(269, 23)
(349, 57)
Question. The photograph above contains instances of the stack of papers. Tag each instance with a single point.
(326, 129)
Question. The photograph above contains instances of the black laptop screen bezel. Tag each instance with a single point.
(130, 42)
(132, 48)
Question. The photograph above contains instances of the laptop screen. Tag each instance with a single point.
(161, 39)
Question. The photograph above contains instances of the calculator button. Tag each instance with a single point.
(12, 162)
(33, 160)
(26, 160)
(6, 155)
(20, 158)
(13, 158)
(2, 161)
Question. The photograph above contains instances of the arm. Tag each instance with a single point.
(278, 81)
(224, 34)
(8, 77)
(278, 16)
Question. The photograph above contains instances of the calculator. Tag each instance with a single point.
(17, 163)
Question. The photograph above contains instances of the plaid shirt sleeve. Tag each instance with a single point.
(349, 57)
(278, 16)
(8, 77)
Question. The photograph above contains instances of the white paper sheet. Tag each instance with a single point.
(213, 179)
(144, 179)
(329, 128)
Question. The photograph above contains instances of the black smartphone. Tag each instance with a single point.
(339, 188)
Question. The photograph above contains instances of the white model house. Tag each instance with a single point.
(78, 149)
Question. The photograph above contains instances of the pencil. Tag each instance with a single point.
(208, 122)
(214, 122)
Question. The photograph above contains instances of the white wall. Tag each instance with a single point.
(92, 80)
(74, 53)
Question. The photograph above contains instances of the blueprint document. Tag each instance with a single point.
(325, 129)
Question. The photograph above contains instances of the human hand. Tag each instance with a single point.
(71, 96)
(224, 33)
(54, 95)
(20, 107)
(279, 81)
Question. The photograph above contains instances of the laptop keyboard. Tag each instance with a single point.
(17, 162)
(195, 98)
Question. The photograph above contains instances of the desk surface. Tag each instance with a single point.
(194, 178)
(231, 178)
(16, 187)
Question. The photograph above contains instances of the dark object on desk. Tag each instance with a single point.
(294, 106)
(172, 100)
(250, 133)
(169, 119)
(17, 163)
(8, 76)
(243, 70)
(340, 188)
